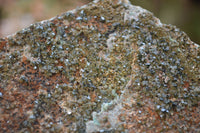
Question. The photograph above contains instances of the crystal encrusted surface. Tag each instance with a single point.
(105, 67)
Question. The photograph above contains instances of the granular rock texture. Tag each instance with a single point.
(108, 66)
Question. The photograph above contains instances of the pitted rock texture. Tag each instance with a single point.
(108, 66)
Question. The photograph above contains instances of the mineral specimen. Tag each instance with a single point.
(108, 66)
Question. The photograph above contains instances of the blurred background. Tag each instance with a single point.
(17, 14)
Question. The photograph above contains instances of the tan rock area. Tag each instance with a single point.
(106, 67)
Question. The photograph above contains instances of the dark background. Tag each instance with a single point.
(17, 14)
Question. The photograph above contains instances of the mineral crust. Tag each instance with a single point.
(108, 66)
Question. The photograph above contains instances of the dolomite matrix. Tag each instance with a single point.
(107, 67)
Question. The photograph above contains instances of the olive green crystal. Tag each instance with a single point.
(108, 66)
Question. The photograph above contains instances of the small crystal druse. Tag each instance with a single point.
(108, 66)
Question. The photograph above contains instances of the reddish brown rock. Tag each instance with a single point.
(108, 66)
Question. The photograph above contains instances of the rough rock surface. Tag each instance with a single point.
(108, 66)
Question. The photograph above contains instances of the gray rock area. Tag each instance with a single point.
(106, 67)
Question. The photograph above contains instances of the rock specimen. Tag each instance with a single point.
(108, 66)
